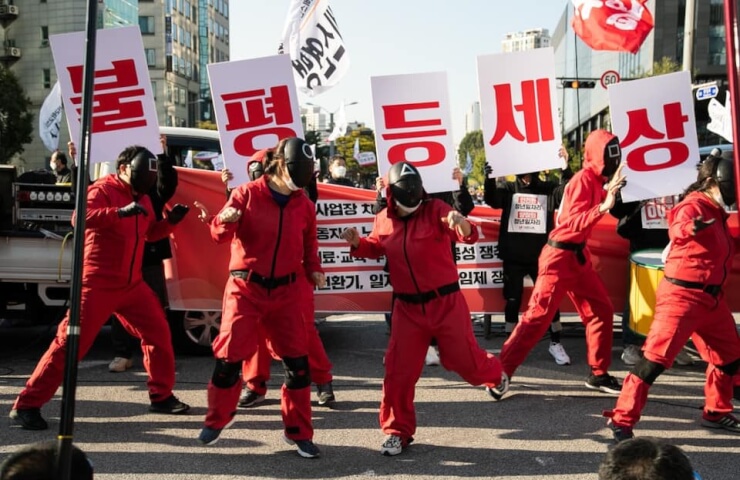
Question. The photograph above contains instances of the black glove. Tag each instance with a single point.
(700, 224)
(488, 169)
(177, 213)
(132, 209)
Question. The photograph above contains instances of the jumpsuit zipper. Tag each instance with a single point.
(277, 246)
(136, 247)
(408, 262)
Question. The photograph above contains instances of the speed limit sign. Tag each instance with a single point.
(609, 77)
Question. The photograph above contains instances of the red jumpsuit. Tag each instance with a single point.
(273, 242)
(682, 312)
(112, 283)
(561, 272)
(419, 262)
(256, 371)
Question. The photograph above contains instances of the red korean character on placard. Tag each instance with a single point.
(110, 112)
(249, 110)
(639, 126)
(536, 108)
(395, 118)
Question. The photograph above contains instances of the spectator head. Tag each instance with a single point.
(338, 167)
(38, 461)
(57, 161)
(645, 458)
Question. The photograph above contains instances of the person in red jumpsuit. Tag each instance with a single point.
(691, 302)
(271, 225)
(565, 268)
(414, 233)
(118, 222)
(256, 370)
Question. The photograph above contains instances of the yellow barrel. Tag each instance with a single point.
(646, 271)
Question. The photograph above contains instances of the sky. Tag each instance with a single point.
(391, 37)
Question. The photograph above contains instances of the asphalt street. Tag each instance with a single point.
(548, 427)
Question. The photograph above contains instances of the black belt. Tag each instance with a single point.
(574, 247)
(268, 283)
(424, 297)
(712, 290)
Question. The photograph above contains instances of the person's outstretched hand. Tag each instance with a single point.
(351, 236)
(177, 213)
(131, 210)
(700, 224)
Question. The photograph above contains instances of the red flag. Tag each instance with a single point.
(606, 25)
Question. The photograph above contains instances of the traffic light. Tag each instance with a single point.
(579, 84)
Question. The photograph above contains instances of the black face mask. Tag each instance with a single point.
(724, 173)
(612, 157)
(255, 170)
(406, 185)
(143, 171)
(299, 161)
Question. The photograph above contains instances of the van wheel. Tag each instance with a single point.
(193, 331)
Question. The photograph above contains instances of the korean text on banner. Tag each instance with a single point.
(521, 131)
(312, 40)
(412, 119)
(124, 111)
(256, 105)
(50, 118)
(654, 120)
(618, 26)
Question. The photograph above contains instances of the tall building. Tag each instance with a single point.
(583, 110)
(180, 38)
(315, 118)
(526, 40)
(472, 118)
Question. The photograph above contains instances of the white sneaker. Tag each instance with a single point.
(684, 358)
(558, 353)
(120, 364)
(631, 354)
(432, 356)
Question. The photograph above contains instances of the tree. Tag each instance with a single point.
(16, 121)
(345, 146)
(472, 143)
(665, 65)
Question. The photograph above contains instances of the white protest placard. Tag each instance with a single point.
(654, 120)
(412, 121)
(528, 213)
(654, 212)
(366, 158)
(124, 112)
(521, 131)
(256, 105)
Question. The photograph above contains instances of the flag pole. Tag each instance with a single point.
(66, 424)
(732, 79)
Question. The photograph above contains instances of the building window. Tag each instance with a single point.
(717, 45)
(154, 89)
(151, 57)
(146, 25)
(46, 77)
(44, 35)
(226, 9)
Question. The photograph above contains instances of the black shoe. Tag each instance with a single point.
(603, 383)
(250, 398)
(499, 390)
(326, 393)
(171, 405)
(306, 448)
(29, 418)
(620, 433)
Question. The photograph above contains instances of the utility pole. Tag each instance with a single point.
(688, 36)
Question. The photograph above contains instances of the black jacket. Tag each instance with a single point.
(630, 226)
(341, 181)
(523, 247)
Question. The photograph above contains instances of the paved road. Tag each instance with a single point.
(549, 427)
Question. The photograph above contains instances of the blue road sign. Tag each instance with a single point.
(707, 92)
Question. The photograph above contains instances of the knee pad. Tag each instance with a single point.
(731, 368)
(647, 371)
(296, 372)
(226, 374)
